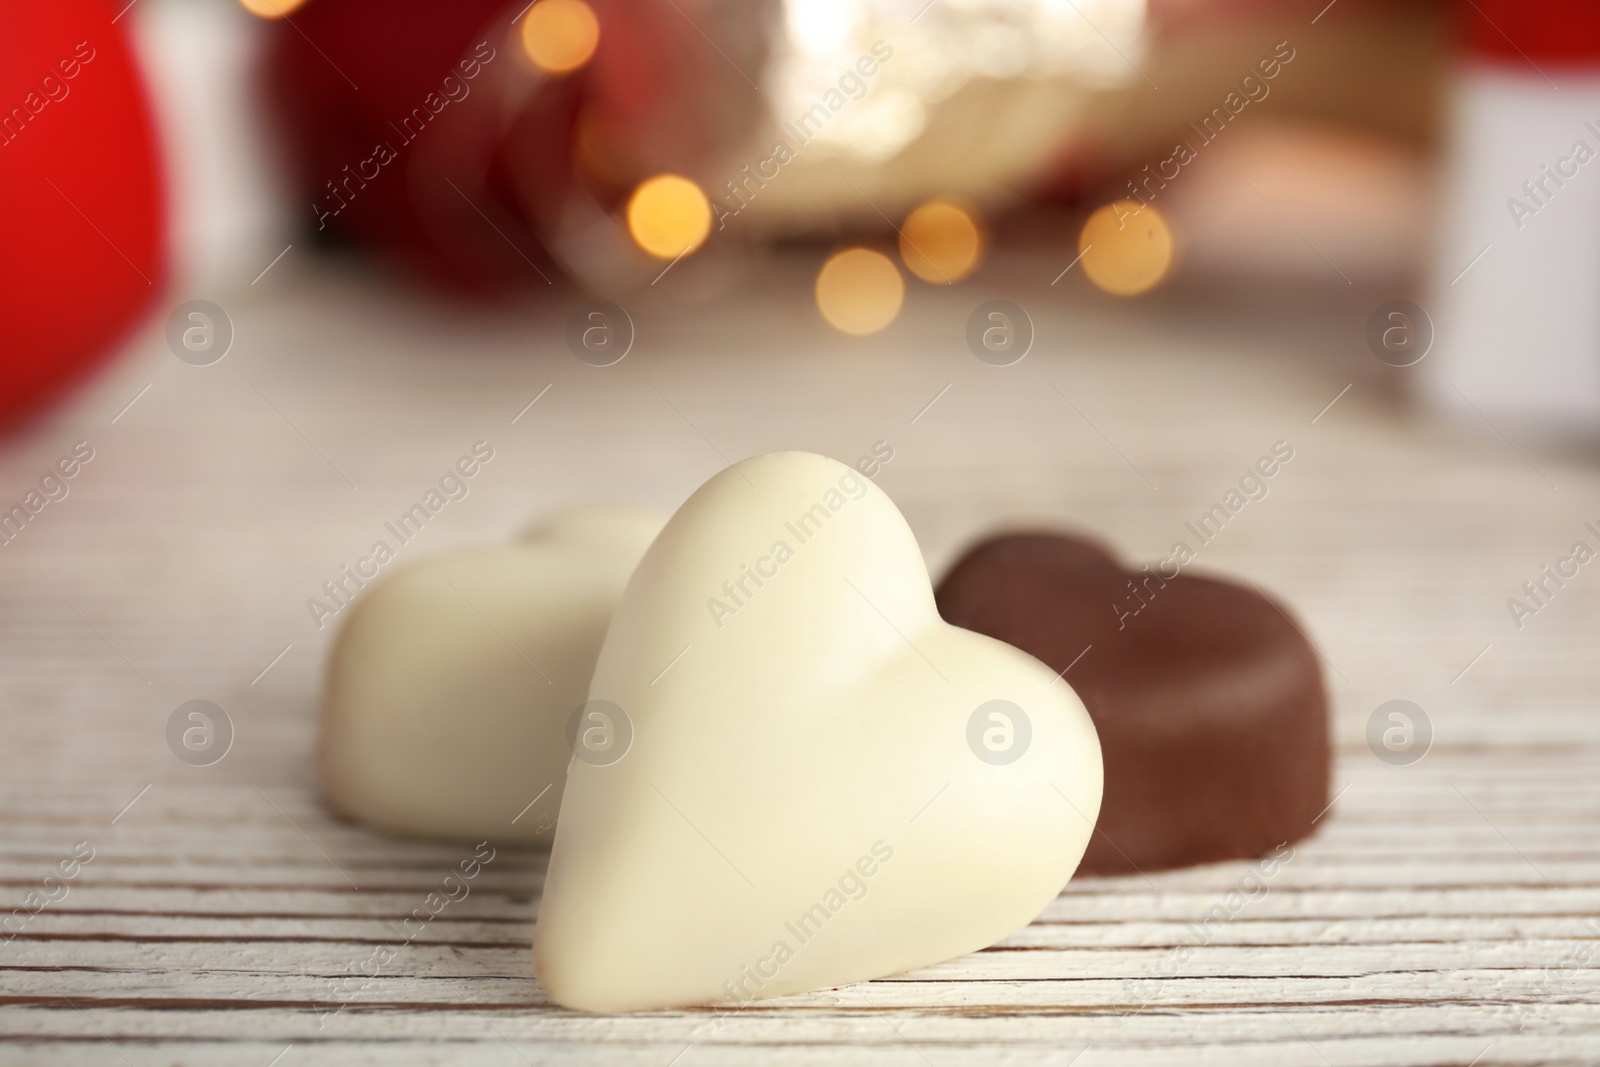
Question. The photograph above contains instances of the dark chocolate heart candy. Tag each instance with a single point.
(1209, 701)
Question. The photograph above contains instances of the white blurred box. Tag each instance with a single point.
(1516, 290)
(226, 193)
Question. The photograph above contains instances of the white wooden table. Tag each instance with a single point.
(1446, 912)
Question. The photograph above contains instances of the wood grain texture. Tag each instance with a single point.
(1446, 912)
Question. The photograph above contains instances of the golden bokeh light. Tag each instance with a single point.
(942, 242)
(272, 9)
(559, 35)
(669, 216)
(1126, 248)
(859, 291)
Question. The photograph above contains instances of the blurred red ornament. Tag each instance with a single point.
(361, 88)
(428, 133)
(1519, 34)
(80, 175)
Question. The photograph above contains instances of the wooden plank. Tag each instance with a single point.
(1444, 912)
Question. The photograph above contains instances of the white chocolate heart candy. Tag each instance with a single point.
(825, 783)
(451, 686)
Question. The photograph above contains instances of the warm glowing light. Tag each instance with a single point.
(558, 35)
(820, 27)
(941, 242)
(1126, 248)
(1035, 60)
(271, 9)
(859, 291)
(668, 216)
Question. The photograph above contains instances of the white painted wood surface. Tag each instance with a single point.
(1446, 912)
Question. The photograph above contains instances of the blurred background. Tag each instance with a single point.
(271, 267)
(1226, 159)
(1077, 261)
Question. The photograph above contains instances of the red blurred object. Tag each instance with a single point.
(1515, 32)
(346, 76)
(482, 177)
(80, 176)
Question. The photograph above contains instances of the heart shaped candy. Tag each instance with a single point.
(450, 688)
(826, 782)
(1208, 699)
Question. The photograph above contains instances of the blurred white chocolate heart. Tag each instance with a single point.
(825, 782)
(451, 685)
